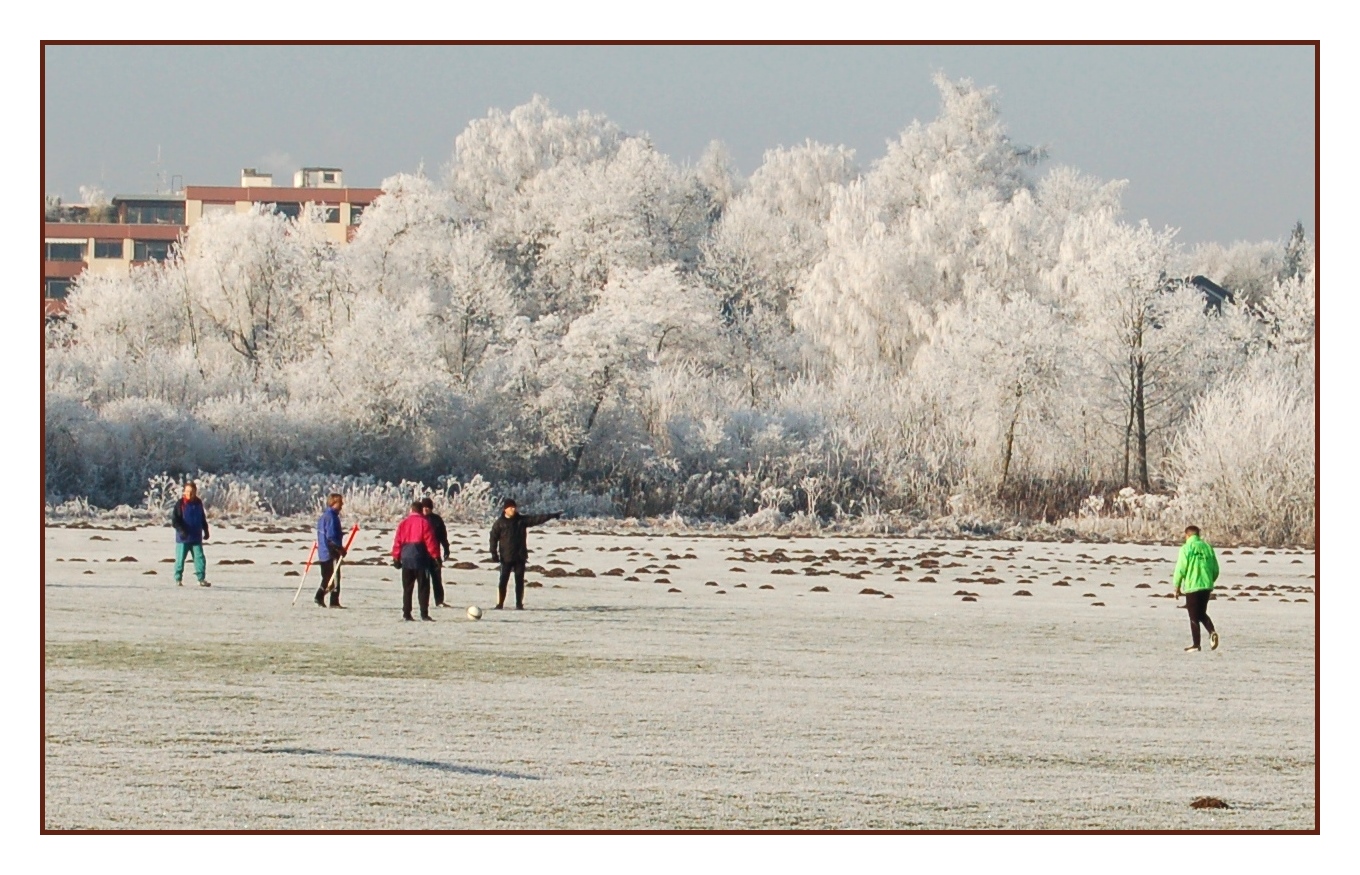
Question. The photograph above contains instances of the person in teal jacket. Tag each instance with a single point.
(1196, 571)
(190, 522)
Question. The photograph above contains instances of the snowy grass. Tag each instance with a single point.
(224, 660)
(753, 703)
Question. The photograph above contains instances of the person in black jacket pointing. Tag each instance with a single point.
(509, 547)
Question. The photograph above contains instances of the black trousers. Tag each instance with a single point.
(437, 582)
(329, 570)
(1197, 605)
(409, 577)
(518, 569)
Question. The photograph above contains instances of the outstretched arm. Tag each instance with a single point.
(538, 519)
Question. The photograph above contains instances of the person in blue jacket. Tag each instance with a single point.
(329, 548)
(191, 530)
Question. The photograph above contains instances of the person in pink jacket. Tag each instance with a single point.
(413, 551)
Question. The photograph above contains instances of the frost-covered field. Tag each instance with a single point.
(620, 704)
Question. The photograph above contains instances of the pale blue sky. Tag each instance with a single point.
(1219, 141)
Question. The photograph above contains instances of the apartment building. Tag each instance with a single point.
(136, 229)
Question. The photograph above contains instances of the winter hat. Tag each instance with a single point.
(509, 502)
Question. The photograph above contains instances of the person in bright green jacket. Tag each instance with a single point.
(1196, 571)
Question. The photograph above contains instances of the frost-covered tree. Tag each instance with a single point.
(1298, 254)
(1005, 362)
(964, 151)
(948, 332)
(496, 156)
(946, 210)
(473, 300)
(860, 303)
(717, 172)
(1290, 317)
(638, 321)
(1151, 345)
(401, 232)
(633, 210)
(240, 273)
(768, 239)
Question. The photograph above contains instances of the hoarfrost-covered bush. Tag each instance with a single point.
(223, 495)
(229, 496)
(765, 520)
(72, 509)
(537, 496)
(1245, 462)
(386, 502)
(162, 491)
(139, 437)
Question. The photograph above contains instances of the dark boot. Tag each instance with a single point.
(320, 597)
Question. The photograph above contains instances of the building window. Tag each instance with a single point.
(291, 210)
(56, 288)
(150, 250)
(327, 177)
(356, 212)
(108, 249)
(65, 251)
(155, 214)
(331, 215)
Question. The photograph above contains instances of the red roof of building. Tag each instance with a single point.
(278, 194)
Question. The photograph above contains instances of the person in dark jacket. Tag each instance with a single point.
(510, 546)
(191, 530)
(441, 537)
(329, 548)
(413, 547)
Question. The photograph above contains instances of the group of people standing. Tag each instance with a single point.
(420, 547)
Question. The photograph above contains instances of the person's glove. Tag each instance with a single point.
(495, 557)
(396, 563)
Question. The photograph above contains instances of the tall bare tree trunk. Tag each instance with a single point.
(1141, 410)
(1128, 422)
(1010, 438)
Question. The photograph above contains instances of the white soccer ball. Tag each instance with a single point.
(474, 613)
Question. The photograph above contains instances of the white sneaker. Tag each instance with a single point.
(1193, 648)
(1213, 640)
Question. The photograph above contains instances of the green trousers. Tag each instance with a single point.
(200, 563)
